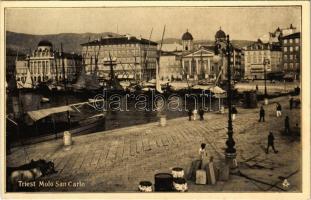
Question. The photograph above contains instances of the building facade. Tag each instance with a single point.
(170, 66)
(254, 56)
(198, 65)
(45, 64)
(135, 57)
(291, 48)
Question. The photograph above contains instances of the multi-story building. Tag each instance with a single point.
(135, 57)
(170, 65)
(46, 64)
(291, 45)
(254, 56)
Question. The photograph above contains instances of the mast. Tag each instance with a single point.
(65, 81)
(158, 86)
(146, 54)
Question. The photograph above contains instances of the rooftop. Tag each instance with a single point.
(119, 40)
(291, 36)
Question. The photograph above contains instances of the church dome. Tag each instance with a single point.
(187, 36)
(45, 43)
(220, 34)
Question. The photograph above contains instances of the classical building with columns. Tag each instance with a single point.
(198, 64)
(46, 64)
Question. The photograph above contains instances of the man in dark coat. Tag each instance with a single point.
(261, 114)
(190, 114)
(291, 102)
(271, 143)
(201, 113)
(287, 128)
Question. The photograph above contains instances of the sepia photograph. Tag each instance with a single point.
(117, 98)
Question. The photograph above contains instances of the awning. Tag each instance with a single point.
(39, 114)
(201, 87)
(217, 90)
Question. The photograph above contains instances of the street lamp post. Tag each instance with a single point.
(230, 152)
(265, 62)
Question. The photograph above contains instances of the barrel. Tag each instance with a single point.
(180, 184)
(145, 186)
(67, 138)
(163, 182)
(178, 172)
(162, 120)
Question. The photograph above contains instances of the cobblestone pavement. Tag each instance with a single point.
(118, 160)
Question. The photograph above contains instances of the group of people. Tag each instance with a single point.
(193, 114)
(287, 130)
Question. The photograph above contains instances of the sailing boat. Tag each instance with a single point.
(28, 84)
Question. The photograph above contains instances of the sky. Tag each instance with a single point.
(247, 23)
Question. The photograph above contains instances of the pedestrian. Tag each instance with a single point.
(195, 114)
(201, 113)
(261, 114)
(256, 88)
(287, 127)
(271, 143)
(234, 112)
(291, 102)
(190, 114)
(278, 110)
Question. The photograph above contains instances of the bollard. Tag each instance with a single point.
(67, 140)
(222, 109)
(266, 101)
(162, 120)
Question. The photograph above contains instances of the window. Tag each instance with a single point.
(291, 57)
(297, 48)
(285, 49)
(291, 66)
(285, 41)
(297, 40)
(291, 49)
(285, 65)
(285, 57)
(290, 40)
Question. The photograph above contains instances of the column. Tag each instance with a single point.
(209, 66)
(197, 65)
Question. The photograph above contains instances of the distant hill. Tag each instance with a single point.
(71, 41)
(236, 43)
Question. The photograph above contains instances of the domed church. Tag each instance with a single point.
(187, 41)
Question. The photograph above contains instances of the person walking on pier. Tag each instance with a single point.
(291, 102)
(278, 110)
(287, 128)
(271, 143)
(261, 114)
(190, 114)
(234, 112)
(201, 113)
